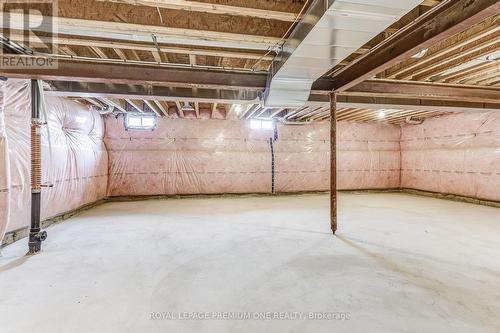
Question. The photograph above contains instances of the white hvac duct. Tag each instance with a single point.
(329, 32)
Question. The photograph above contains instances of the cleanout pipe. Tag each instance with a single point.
(36, 236)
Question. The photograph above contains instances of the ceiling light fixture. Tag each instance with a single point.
(381, 114)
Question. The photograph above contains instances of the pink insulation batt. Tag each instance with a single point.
(4, 167)
(458, 154)
(211, 156)
(75, 162)
(367, 157)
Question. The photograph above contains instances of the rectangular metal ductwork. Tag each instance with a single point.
(329, 32)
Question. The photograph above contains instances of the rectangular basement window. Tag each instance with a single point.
(139, 121)
(261, 124)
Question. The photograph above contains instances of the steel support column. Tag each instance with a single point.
(333, 162)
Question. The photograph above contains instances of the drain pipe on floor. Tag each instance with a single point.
(36, 236)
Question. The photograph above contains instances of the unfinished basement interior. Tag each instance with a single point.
(250, 166)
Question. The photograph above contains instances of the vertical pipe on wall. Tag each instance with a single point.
(35, 237)
(271, 144)
(333, 162)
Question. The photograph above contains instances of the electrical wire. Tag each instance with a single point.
(284, 37)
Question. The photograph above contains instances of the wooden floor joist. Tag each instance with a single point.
(142, 33)
(444, 20)
(214, 8)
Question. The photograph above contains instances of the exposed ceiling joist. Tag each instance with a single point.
(141, 33)
(160, 106)
(133, 105)
(113, 103)
(214, 8)
(411, 89)
(442, 21)
(151, 106)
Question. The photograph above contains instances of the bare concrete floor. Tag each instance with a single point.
(400, 263)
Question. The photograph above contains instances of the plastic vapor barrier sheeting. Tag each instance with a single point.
(367, 156)
(184, 156)
(74, 158)
(458, 154)
(4, 167)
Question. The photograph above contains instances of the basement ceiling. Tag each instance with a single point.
(242, 37)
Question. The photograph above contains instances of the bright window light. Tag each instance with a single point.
(267, 124)
(261, 124)
(140, 121)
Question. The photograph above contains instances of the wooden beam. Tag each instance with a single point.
(214, 108)
(254, 109)
(458, 60)
(128, 73)
(135, 106)
(192, 59)
(197, 109)
(136, 56)
(454, 45)
(180, 112)
(472, 71)
(214, 8)
(333, 162)
(422, 90)
(118, 46)
(275, 112)
(68, 51)
(229, 113)
(93, 102)
(156, 55)
(141, 33)
(120, 54)
(387, 94)
(442, 21)
(99, 52)
(150, 105)
(113, 103)
(160, 106)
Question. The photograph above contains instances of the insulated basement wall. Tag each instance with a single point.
(187, 156)
(75, 162)
(183, 156)
(457, 154)
(367, 157)
(4, 168)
